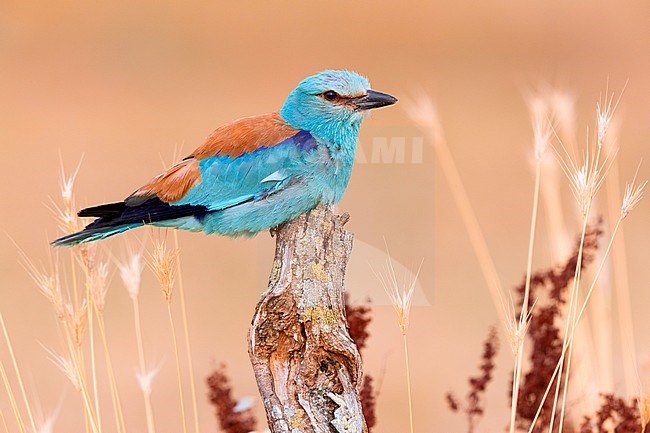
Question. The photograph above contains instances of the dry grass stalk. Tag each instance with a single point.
(115, 396)
(73, 324)
(517, 330)
(424, 113)
(131, 274)
(541, 139)
(563, 106)
(594, 345)
(95, 384)
(69, 222)
(586, 183)
(585, 180)
(73, 370)
(74, 315)
(551, 196)
(550, 286)
(162, 262)
(73, 321)
(186, 334)
(570, 322)
(4, 422)
(19, 377)
(93, 361)
(97, 288)
(84, 256)
(401, 297)
(626, 207)
(12, 398)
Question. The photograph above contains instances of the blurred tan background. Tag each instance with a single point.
(124, 83)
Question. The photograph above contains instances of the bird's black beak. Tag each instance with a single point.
(373, 99)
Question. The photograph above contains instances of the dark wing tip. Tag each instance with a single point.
(104, 210)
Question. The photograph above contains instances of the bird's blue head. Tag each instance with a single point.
(332, 104)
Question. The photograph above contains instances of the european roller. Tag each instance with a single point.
(254, 173)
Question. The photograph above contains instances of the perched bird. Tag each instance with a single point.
(256, 172)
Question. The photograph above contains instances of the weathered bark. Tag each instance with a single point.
(307, 367)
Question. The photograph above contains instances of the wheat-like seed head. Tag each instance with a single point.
(422, 111)
(67, 186)
(97, 283)
(66, 214)
(66, 366)
(542, 129)
(75, 320)
(586, 177)
(514, 336)
(131, 274)
(145, 379)
(400, 295)
(633, 195)
(605, 110)
(516, 329)
(48, 284)
(87, 253)
(68, 221)
(162, 262)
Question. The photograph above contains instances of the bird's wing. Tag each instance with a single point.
(241, 161)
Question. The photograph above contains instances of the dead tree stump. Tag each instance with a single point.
(307, 367)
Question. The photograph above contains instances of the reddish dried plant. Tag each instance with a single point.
(615, 415)
(550, 288)
(368, 401)
(220, 394)
(473, 407)
(358, 318)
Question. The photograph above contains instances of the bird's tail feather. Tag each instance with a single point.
(90, 234)
(114, 218)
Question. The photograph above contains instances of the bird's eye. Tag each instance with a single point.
(330, 95)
